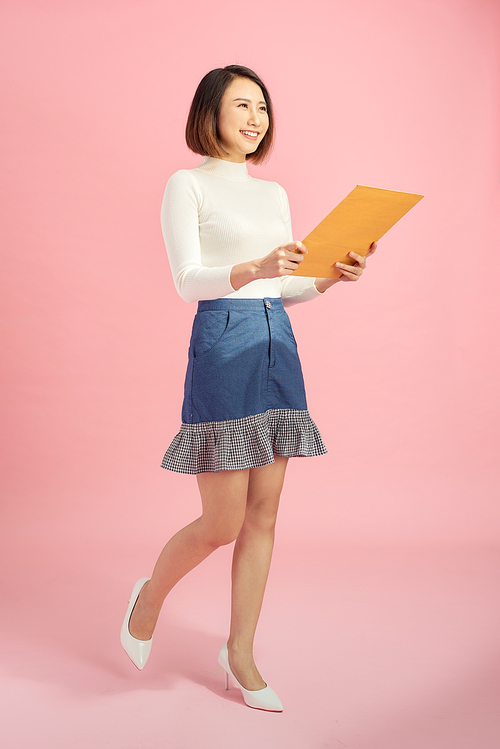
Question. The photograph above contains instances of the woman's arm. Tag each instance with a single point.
(179, 223)
(193, 280)
(283, 261)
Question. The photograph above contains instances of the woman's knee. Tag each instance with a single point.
(263, 514)
(220, 534)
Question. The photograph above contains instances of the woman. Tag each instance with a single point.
(230, 248)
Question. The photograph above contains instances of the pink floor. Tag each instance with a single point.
(370, 647)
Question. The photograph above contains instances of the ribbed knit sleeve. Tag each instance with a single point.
(180, 226)
(301, 288)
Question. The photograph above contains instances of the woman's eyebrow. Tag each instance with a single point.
(248, 100)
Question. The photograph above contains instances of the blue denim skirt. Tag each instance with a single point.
(244, 397)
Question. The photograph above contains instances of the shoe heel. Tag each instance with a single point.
(262, 699)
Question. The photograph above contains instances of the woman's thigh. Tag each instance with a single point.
(230, 497)
(264, 488)
(224, 501)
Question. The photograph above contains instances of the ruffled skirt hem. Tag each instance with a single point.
(249, 442)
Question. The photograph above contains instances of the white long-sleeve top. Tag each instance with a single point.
(217, 215)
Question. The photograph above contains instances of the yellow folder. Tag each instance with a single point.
(364, 216)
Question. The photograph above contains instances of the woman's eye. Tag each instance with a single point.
(244, 104)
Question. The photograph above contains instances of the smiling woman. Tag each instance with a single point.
(243, 119)
(223, 103)
(245, 411)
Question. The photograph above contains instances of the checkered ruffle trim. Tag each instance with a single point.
(243, 443)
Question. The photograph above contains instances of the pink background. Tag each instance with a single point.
(401, 369)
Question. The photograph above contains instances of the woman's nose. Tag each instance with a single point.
(253, 118)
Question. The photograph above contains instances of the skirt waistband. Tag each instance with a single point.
(243, 305)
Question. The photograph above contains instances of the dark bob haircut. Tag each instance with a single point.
(201, 127)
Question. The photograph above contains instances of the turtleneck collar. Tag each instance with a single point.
(235, 171)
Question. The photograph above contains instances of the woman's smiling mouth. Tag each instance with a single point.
(251, 134)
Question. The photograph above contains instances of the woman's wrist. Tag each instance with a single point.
(322, 284)
(244, 273)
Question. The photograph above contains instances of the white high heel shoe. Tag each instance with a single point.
(137, 650)
(262, 699)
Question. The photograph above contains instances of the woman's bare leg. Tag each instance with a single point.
(224, 498)
(251, 562)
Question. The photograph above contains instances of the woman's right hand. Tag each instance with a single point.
(282, 261)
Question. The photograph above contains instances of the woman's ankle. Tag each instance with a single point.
(240, 648)
(144, 617)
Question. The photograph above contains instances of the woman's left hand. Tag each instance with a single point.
(349, 272)
(354, 272)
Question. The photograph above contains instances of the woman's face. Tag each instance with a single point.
(243, 119)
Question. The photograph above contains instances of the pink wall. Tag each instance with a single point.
(402, 369)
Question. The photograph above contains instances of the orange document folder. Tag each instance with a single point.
(364, 216)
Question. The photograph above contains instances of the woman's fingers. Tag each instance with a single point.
(297, 247)
(292, 263)
(349, 272)
(282, 261)
(354, 272)
(360, 260)
(294, 255)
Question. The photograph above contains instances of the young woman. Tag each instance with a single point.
(230, 247)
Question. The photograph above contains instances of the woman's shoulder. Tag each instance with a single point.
(181, 183)
(182, 177)
(270, 185)
(276, 190)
